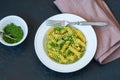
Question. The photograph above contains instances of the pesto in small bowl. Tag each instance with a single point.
(13, 31)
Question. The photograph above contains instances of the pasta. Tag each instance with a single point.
(65, 44)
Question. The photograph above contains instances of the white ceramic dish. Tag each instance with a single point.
(17, 21)
(66, 68)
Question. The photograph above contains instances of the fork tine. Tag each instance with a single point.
(55, 23)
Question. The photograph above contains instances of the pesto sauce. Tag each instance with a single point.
(14, 31)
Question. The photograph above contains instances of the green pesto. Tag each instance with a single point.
(14, 31)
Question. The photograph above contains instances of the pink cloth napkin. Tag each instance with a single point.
(96, 10)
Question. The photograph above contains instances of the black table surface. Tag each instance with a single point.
(21, 62)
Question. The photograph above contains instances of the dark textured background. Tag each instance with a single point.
(21, 62)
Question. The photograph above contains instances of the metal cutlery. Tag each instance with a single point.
(6, 35)
(63, 23)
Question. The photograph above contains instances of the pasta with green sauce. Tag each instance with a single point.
(65, 44)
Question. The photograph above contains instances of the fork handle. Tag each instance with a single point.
(90, 23)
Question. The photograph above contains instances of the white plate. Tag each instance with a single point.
(66, 68)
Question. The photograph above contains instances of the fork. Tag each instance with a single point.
(64, 22)
(6, 35)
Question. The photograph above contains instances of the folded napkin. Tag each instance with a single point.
(96, 10)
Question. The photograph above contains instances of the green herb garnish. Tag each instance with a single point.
(58, 28)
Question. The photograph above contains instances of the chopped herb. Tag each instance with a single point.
(57, 58)
(52, 45)
(58, 28)
(68, 52)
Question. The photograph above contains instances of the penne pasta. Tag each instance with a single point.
(80, 35)
(78, 41)
(65, 45)
(50, 31)
(75, 51)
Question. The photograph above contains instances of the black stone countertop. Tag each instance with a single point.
(22, 63)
